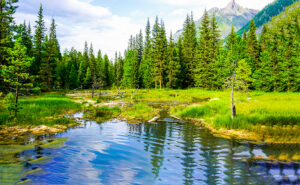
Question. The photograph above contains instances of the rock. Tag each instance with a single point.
(175, 117)
(153, 119)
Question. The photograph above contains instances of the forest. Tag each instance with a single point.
(266, 62)
(193, 109)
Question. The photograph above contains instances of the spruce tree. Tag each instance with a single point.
(7, 9)
(73, 83)
(106, 76)
(88, 78)
(182, 78)
(173, 63)
(189, 47)
(252, 47)
(51, 54)
(159, 54)
(203, 74)
(38, 40)
(16, 71)
(146, 66)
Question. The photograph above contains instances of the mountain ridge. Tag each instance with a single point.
(265, 15)
(232, 13)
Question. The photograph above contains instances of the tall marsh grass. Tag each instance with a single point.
(255, 108)
(40, 110)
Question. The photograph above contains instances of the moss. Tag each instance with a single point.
(35, 171)
(102, 113)
(13, 149)
(11, 173)
(41, 160)
(25, 182)
(55, 143)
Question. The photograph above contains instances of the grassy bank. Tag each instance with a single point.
(269, 117)
(47, 109)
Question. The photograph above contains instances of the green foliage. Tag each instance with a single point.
(189, 45)
(103, 113)
(38, 40)
(41, 110)
(159, 53)
(243, 75)
(9, 98)
(173, 65)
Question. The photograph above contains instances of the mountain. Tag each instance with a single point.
(233, 13)
(289, 17)
(266, 14)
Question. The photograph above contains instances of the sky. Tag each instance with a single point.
(108, 24)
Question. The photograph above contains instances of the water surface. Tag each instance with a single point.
(116, 152)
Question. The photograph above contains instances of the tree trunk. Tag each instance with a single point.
(233, 110)
(17, 98)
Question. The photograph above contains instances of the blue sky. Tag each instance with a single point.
(109, 23)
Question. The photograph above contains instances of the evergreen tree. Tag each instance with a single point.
(88, 78)
(182, 78)
(81, 74)
(7, 9)
(189, 47)
(173, 65)
(38, 40)
(252, 47)
(16, 72)
(243, 75)
(51, 54)
(215, 38)
(146, 66)
(203, 74)
(159, 54)
(99, 61)
(73, 83)
(128, 77)
(106, 76)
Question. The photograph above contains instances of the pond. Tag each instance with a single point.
(116, 152)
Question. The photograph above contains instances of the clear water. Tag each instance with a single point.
(116, 152)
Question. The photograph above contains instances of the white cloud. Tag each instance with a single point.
(79, 21)
(256, 4)
(178, 12)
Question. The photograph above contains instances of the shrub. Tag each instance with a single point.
(36, 90)
(9, 99)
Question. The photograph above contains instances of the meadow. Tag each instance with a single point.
(46, 109)
(267, 116)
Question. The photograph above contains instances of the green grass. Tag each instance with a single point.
(140, 111)
(103, 113)
(46, 109)
(255, 108)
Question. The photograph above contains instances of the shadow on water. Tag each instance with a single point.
(165, 152)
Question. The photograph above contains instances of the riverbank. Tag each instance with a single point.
(261, 117)
(39, 115)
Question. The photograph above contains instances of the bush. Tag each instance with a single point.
(9, 99)
(36, 90)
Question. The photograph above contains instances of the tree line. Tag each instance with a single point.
(198, 58)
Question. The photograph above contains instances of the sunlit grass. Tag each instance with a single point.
(46, 109)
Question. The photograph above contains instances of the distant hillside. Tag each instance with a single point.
(233, 13)
(286, 18)
(266, 14)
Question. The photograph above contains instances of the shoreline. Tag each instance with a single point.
(242, 135)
